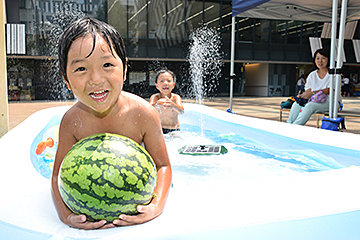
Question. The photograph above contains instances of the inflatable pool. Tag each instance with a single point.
(276, 180)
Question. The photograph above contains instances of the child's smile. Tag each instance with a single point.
(99, 96)
(95, 74)
(165, 83)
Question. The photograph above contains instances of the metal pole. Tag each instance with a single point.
(4, 116)
(340, 58)
(332, 56)
(232, 59)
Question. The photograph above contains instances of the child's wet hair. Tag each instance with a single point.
(89, 26)
(164, 71)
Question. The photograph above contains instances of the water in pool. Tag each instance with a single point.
(245, 155)
(263, 178)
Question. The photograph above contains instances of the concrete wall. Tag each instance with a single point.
(257, 79)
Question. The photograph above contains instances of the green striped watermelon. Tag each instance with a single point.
(104, 175)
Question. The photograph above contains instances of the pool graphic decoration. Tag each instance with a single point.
(43, 148)
(203, 150)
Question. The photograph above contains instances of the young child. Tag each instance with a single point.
(93, 65)
(168, 104)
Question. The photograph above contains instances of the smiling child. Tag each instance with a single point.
(168, 104)
(93, 64)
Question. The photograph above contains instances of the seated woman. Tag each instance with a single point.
(318, 80)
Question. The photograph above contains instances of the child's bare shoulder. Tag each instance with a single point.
(142, 111)
(175, 96)
(72, 115)
(155, 96)
(69, 114)
(137, 102)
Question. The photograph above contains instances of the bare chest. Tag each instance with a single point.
(128, 127)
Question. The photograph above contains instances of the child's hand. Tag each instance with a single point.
(165, 102)
(79, 221)
(146, 213)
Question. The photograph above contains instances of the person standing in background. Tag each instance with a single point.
(300, 85)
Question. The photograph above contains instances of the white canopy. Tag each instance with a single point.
(298, 10)
(302, 10)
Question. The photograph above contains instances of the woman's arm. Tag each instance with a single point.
(309, 93)
(325, 91)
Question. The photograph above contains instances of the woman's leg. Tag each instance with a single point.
(294, 112)
(309, 109)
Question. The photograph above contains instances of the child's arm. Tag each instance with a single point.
(176, 102)
(66, 140)
(154, 99)
(155, 145)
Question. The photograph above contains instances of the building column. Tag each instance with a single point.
(4, 116)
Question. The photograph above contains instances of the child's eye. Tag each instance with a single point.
(108, 65)
(79, 69)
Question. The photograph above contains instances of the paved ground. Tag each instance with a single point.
(19, 111)
(259, 107)
(262, 107)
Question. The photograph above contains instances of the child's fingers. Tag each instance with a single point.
(76, 219)
(146, 213)
(126, 220)
(79, 221)
(141, 208)
(95, 225)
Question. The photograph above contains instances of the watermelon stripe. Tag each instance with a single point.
(107, 175)
(118, 192)
(114, 171)
(131, 172)
(103, 208)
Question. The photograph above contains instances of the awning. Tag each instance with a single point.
(297, 10)
(303, 10)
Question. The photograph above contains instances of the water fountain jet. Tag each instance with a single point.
(205, 57)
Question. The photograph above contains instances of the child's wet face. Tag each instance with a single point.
(96, 80)
(165, 83)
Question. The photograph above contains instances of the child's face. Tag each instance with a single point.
(165, 83)
(96, 80)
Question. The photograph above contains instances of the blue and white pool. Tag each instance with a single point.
(277, 181)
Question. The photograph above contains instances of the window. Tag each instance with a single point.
(262, 30)
(278, 31)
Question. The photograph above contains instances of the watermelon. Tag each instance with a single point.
(105, 175)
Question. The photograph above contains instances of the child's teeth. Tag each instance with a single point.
(98, 94)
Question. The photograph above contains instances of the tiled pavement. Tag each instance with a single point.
(259, 107)
(263, 107)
